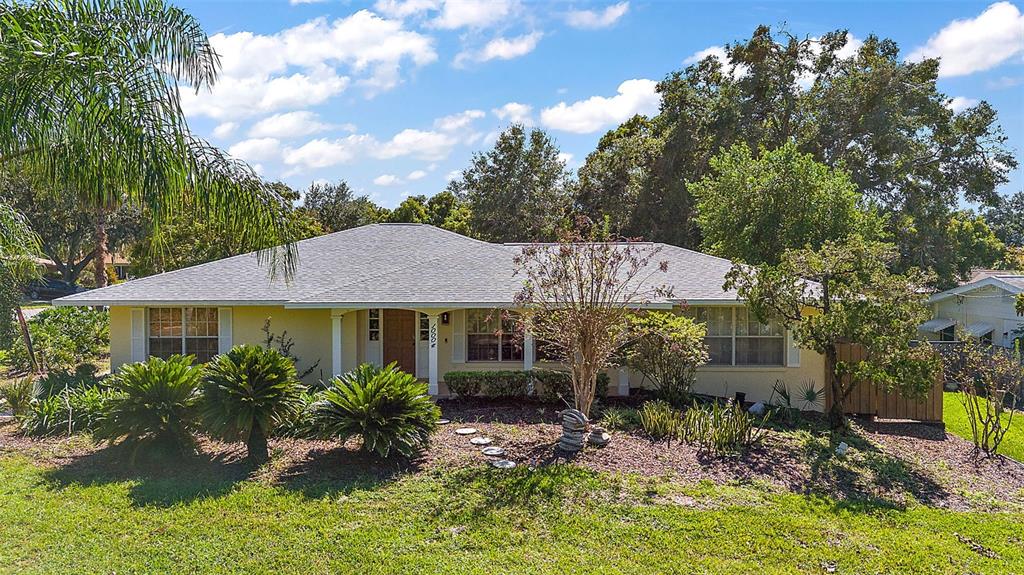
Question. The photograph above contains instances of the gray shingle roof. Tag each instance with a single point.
(382, 265)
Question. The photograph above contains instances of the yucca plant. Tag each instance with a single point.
(17, 394)
(722, 430)
(387, 407)
(154, 404)
(247, 393)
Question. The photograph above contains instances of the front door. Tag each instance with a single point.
(400, 339)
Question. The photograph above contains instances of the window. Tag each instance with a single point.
(758, 343)
(373, 325)
(424, 327)
(486, 342)
(736, 337)
(187, 331)
(986, 339)
(948, 334)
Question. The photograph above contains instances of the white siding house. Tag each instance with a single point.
(982, 308)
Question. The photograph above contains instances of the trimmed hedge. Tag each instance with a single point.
(556, 385)
(498, 384)
(550, 384)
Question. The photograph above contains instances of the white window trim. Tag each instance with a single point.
(499, 336)
(733, 337)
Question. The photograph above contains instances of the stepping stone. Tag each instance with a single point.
(493, 451)
(503, 464)
(443, 421)
(480, 440)
(466, 430)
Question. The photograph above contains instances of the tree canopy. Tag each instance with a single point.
(752, 209)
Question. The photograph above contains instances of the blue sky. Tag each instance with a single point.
(395, 95)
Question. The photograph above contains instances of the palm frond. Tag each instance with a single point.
(91, 96)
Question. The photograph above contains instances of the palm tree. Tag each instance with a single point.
(90, 97)
(18, 243)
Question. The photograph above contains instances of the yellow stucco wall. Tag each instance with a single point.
(311, 331)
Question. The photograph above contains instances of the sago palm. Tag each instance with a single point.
(247, 393)
(154, 404)
(90, 99)
(387, 407)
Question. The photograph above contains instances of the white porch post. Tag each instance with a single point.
(623, 381)
(336, 367)
(528, 352)
(432, 387)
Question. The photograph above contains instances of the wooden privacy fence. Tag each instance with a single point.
(870, 399)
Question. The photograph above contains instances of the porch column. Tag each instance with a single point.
(432, 387)
(337, 316)
(528, 352)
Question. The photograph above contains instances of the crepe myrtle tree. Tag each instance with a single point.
(578, 296)
(854, 299)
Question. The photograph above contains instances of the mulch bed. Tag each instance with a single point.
(890, 463)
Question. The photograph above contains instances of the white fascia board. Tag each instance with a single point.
(163, 303)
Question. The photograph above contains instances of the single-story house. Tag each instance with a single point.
(422, 297)
(981, 308)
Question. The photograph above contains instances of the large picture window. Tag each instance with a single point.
(736, 337)
(489, 337)
(188, 331)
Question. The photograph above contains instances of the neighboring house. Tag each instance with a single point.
(424, 298)
(982, 308)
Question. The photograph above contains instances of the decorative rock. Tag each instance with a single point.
(504, 464)
(480, 440)
(466, 430)
(842, 448)
(757, 409)
(493, 451)
(599, 437)
(574, 429)
(443, 421)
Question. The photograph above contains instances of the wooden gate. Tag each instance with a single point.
(869, 399)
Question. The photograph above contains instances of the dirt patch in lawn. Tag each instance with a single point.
(892, 464)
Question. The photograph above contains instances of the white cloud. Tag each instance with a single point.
(404, 8)
(321, 152)
(299, 66)
(453, 175)
(976, 44)
(716, 51)
(423, 145)
(500, 49)
(416, 175)
(960, 103)
(387, 180)
(225, 129)
(636, 96)
(256, 149)
(853, 44)
(473, 13)
(1003, 82)
(592, 19)
(288, 125)
(515, 113)
(458, 121)
(565, 157)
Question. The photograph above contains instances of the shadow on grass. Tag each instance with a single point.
(868, 475)
(163, 479)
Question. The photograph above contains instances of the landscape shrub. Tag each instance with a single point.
(59, 380)
(555, 386)
(721, 429)
(153, 405)
(668, 350)
(16, 394)
(63, 337)
(494, 384)
(73, 410)
(619, 418)
(299, 424)
(787, 405)
(991, 380)
(659, 419)
(247, 393)
(388, 408)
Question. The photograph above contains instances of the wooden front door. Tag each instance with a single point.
(400, 339)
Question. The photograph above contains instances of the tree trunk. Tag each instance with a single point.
(836, 412)
(100, 259)
(27, 336)
(257, 446)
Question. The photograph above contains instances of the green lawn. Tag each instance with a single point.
(560, 519)
(955, 417)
